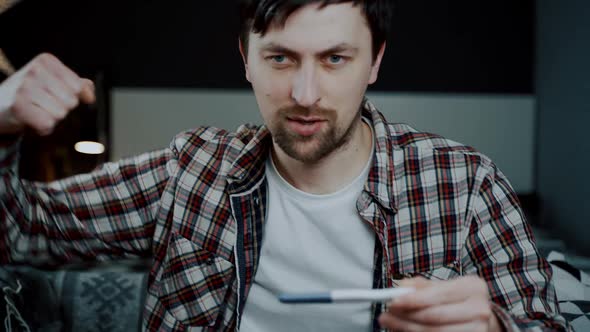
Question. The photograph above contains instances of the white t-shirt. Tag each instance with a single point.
(311, 243)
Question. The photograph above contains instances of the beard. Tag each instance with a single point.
(312, 148)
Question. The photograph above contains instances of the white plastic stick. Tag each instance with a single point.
(346, 295)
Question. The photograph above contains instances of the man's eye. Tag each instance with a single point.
(278, 59)
(335, 59)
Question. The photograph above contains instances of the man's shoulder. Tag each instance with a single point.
(207, 136)
(204, 146)
(429, 150)
(404, 136)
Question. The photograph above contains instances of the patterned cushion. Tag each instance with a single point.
(577, 313)
(28, 301)
(112, 298)
(573, 291)
(81, 299)
(103, 301)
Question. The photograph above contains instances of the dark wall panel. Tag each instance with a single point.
(435, 46)
(563, 147)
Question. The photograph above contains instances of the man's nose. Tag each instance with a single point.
(305, 91)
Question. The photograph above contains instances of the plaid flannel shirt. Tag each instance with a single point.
(439, 210)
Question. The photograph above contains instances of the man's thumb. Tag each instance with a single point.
(87, 94)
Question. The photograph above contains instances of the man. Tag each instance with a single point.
(326, 195)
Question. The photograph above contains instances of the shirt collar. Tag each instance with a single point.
(380, 184)
(254, 143)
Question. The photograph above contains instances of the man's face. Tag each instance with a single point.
(310, 77)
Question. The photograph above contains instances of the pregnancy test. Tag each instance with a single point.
(346, 295)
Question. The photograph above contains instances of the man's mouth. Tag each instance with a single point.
(305, 125)
(305, 118)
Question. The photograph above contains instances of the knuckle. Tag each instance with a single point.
(435, 318)
(486, 315)
(45, 57)
(33, 71)
(482, 286)
(12, 120)
(60, 114)
(18, 111)
(72, 103)
(483, 311)
(45, 133)
(46, 127)
(476, 284)
(35, 74)
(22, 91)
(75, 85)
(16, 114)
(432, 317)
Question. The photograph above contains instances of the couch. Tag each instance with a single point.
(103, 297)
(110, 296)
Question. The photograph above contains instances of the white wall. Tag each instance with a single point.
(500, 126)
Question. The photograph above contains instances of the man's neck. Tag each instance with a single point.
(332, 172)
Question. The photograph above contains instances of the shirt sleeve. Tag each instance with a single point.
(106, 214)
(501, 249)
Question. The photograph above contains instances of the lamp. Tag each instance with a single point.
(89, 147)
(93, 123)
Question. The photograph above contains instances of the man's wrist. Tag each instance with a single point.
(9, 130)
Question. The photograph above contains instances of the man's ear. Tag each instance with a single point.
(244, 58)
(377, 64)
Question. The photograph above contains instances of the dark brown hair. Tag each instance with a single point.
(259, 15)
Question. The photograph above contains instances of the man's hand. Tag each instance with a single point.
(40, 95)
(460, 304)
